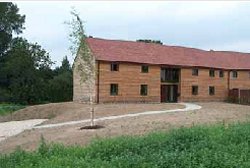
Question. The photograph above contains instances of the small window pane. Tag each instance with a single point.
(234, 74)
(195, 72)
(144, 69)
(114, 66)
(221, 73)
(114, 89)
(144, 90)
(194, 90)
(211, 90)
(211, 73)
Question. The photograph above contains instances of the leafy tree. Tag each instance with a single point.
(61, 86)
(21, 71)
(65, 67)
(25, 68)
(10, 22)
(149, 41)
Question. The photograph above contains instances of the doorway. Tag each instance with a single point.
(169, 93)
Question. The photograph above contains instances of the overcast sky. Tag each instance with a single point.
(204, 25)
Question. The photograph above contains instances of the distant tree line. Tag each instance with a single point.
(26, 75)
(149, 41)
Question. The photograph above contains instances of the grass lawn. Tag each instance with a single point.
(199, 146)
(9, 108)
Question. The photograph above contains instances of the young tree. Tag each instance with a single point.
(85, 64)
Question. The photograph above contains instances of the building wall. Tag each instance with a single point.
(203, 81)
(84, 89)
(129, 78)
(241, 82)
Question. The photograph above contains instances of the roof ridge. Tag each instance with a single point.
(166, 45)
(122, 40)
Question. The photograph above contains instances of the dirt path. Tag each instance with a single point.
(12, 128)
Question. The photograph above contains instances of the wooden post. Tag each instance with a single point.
(239, 95)
(92, 111)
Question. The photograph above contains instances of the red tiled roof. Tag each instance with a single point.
(140, 52)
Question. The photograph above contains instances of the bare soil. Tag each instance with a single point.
(70, 111)
(210, 113)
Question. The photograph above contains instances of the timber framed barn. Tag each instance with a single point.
(128, 71)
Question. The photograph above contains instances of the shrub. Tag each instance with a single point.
(199, 146)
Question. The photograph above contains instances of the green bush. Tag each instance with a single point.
(199, 146)
(9, 108)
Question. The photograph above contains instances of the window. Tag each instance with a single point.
(144, 90)
(170, 75)
(211, 73)
(144, 69)
(194, 90)
(211, 90)
(221, 73)
(114, 89)
(114, 66)
(195, 72)
(234, 74)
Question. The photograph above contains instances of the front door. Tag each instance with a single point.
(169, 93)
